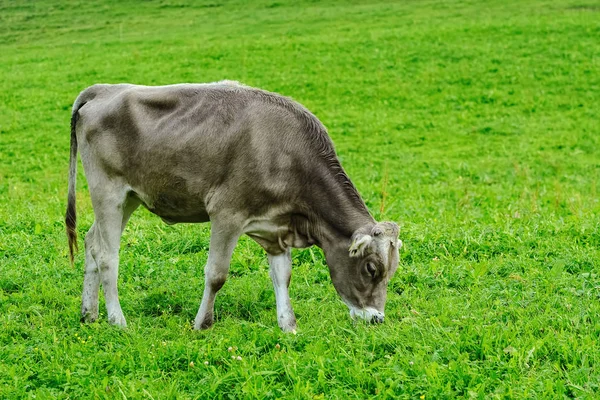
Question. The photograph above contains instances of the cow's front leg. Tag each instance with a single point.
(223, 238)
(281, 272)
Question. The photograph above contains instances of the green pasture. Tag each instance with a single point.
(475, 125)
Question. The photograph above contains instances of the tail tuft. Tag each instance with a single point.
(71, 215)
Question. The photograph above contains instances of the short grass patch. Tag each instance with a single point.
(474, 125)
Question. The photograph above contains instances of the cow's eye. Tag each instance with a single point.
(371, 269)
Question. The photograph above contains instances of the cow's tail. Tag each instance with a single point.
(71, 215)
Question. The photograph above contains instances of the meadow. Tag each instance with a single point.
(472, 124)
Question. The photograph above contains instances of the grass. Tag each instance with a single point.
(472, 124)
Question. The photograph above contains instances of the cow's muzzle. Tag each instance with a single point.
(377, 319)
(368, 314)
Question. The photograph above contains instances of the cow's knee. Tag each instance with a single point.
(215, 280)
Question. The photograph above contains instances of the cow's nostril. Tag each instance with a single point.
(377, 319)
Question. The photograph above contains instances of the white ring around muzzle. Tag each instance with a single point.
(368, 314)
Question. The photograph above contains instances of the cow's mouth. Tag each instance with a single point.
(368, 314)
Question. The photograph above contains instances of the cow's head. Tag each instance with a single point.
(361, 272)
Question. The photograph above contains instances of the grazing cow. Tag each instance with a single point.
(250, 162)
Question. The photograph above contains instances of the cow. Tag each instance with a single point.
(247, 160)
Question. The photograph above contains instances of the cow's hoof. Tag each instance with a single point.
(117, 320)
(287, 323)
(201, 324)
(88, 317)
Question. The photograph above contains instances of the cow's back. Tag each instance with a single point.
(186, 148)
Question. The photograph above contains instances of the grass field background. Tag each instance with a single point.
(472, 124)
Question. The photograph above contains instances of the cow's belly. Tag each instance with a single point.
(175, 207)
(176, 219)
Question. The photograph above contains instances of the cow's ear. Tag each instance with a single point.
(359, 244)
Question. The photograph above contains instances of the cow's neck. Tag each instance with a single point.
(337, 214)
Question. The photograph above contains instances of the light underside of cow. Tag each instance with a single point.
(250, 162)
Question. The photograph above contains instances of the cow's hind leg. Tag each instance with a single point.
(91, 279)
(112, 209)
(223, 238)
(281, 272)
